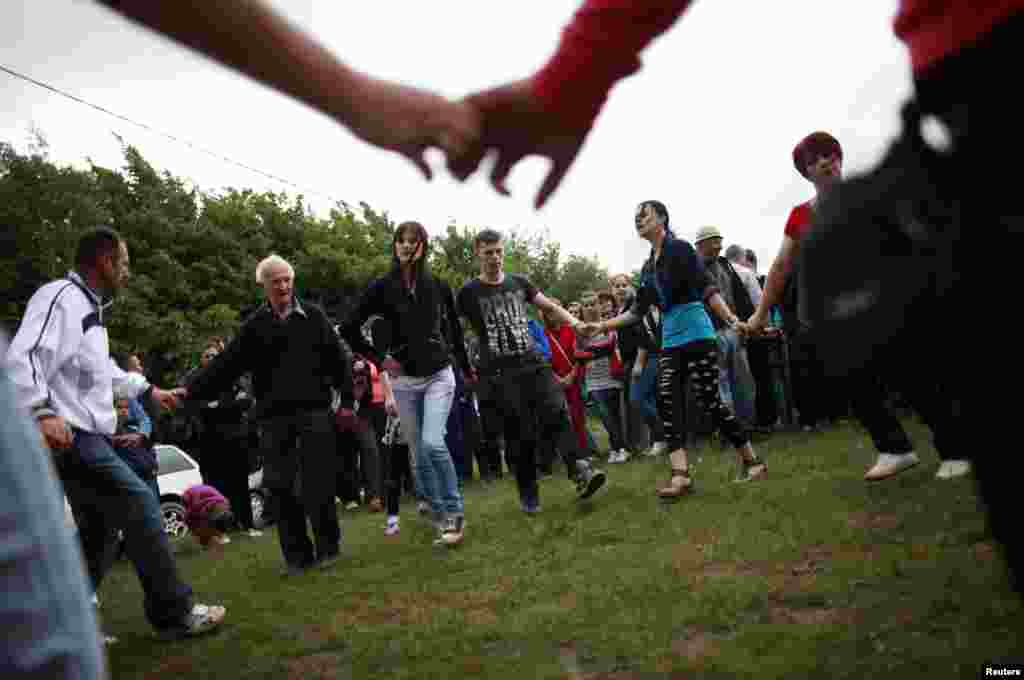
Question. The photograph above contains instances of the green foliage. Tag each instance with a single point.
(194, 253)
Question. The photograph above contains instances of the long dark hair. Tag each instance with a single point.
(424, 284)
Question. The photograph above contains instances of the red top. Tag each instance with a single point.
(602, 44)
(562, 360)
(933, 29)
(799, 221)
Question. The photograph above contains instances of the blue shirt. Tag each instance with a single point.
(677, 284)
(685, 323)
(139, 415)
(540, 339)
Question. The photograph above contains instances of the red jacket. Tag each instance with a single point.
(562, 360)
(602, 44)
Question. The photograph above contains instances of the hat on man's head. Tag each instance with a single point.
(704, 233)
(813, 144)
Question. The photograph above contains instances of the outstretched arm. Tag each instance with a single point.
(550, 114)
(250, 37)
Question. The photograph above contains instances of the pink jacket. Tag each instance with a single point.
(199, 500)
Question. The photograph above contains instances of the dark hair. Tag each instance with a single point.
(607, 296)
(94, 244)
(735, 252)
(221, 519)
(812, 146)
(659, 209)
(487, 236)
(751, 257)
(421, 268)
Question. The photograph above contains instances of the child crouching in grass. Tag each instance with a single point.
(208, 514)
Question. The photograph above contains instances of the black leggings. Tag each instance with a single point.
(696, 363)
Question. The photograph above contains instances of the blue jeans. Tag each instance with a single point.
(423, 408)
(735, 381)
(49, 624)
(643, 391)
(106, 495)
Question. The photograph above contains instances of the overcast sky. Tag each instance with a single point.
(707, 126)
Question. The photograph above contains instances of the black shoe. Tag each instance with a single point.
(588, 480)
(292, 570)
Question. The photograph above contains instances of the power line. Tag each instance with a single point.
(168, 135)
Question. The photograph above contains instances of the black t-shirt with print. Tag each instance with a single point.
(498, 316)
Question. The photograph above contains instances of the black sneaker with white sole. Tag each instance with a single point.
(588, 480)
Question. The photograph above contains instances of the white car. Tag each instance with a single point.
(176, 471)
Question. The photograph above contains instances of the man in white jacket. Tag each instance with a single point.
(62, 371)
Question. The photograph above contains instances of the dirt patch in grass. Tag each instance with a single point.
(318, 667)
(405, 608)
(173, 667)
(697, 644)
(874, 520)
(811, 616)
(985, 551)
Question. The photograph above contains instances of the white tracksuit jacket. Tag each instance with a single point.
(60, 362)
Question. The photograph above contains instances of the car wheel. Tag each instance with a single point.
(173, 513)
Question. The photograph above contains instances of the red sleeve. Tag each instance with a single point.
(600, 46)
(799, 220)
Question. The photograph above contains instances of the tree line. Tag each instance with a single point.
(194, 252)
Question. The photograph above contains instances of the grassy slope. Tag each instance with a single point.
(809, 573)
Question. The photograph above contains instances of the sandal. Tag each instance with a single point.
(752, 469)
(680, 484)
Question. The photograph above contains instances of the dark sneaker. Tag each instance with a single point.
(588, 480)
(291, 570)
(530, 504)
(328, 561)
(200, 620)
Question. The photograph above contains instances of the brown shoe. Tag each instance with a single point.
(375, 505)
(680, 484)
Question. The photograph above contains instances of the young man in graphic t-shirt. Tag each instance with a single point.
(514, 374)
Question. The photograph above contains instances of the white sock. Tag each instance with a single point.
(392, 520)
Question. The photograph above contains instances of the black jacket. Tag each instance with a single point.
(294, 363)
(424, 330)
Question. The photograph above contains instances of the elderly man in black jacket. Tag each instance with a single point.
(295, 358)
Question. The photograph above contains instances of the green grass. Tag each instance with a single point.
(810, 573)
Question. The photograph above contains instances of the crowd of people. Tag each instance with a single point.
(879, 259)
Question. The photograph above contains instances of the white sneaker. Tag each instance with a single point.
(953, 468)
(657, 449)
(624, 456)
(889, 464)
(222, 539)
(619, 456)
(254, 533)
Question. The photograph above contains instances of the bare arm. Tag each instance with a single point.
(627, 318)
(721, 310)
(543, 303)
(775, 284)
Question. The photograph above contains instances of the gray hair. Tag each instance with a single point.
(735, 253)
(270, 261)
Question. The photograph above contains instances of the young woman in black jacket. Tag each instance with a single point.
(425, 334)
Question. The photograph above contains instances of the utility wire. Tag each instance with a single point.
(153, 130)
